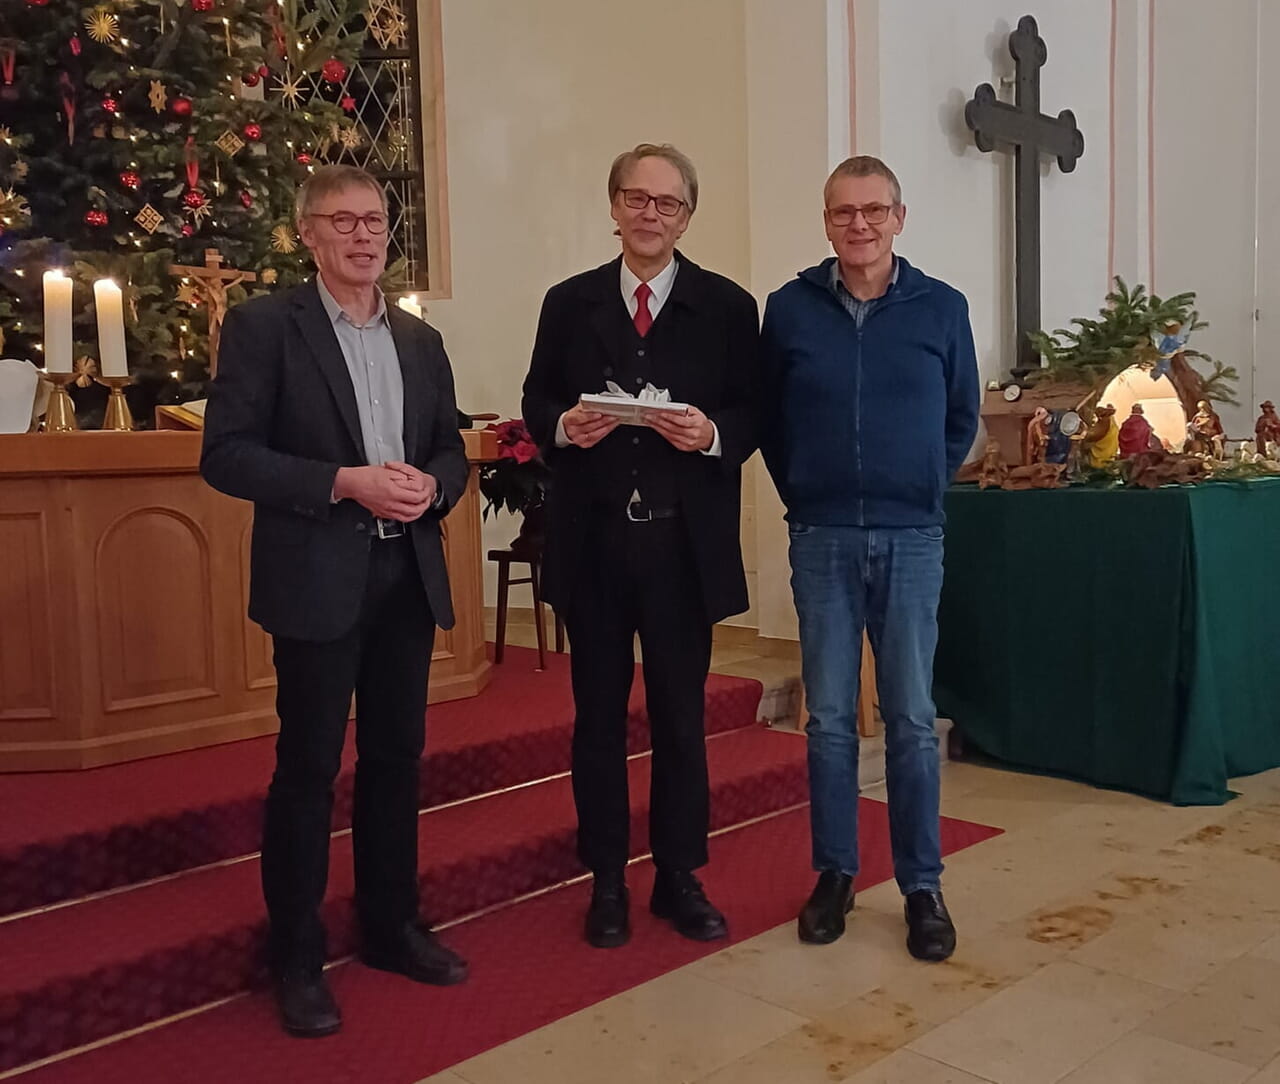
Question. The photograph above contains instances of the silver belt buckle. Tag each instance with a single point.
(389, 528)
(646, 518)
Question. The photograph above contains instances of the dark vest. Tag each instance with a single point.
(635, 457)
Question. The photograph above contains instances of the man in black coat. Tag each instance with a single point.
(643, 524)
(335, 414)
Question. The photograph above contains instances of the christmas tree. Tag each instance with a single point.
(135, 135)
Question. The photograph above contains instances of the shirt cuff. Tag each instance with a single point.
(715, 448)
(562, 438)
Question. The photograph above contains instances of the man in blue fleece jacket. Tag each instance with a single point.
(872, 407)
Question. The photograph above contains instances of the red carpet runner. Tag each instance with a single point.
(529, 967)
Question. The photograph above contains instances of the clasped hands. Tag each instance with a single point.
(691, 432)
(396, 490)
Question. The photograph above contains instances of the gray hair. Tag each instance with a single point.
(863, 165)
(623, 163)
(330, 179)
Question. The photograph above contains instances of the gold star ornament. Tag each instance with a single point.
(290, 91)
(188, 295)
(282, 240)
(103, 27)
(158, 96)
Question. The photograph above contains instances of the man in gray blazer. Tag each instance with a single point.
(335, 414)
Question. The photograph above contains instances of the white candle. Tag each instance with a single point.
(112, 360)
(57, 322)
(411, 306)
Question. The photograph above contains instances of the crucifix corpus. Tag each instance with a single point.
(1030, 133)
(212, 281)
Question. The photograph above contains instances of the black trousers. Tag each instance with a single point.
(639, 578)
(384, 661)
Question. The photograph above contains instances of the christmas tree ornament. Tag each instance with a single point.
(74, 45)
(158, 96)
(130, 179)
(194, 199)
(350, 138)
(253, 131)
(8, 62)
(304, 158)
(229, 143)
(282, 240)
(188, 294)
(111, 105)
(181, 107)
(251, 79)
(103, 26)
(290, 91)
(20, 169)
(188, 229)
(333, 71)
(201, 5)
(246, 197)
(38, 3)
(263, 70)
(96, 218)
(348, 103)
(269, 276)
(149, 219)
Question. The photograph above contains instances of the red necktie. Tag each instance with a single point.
(642, 318)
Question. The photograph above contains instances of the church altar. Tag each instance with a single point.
(1135, 649)
(123, 588)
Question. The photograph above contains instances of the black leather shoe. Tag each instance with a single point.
(822, 920)
(608, 922)
(417, 954)
(930, 933)
(678, 896)
(307, 1008)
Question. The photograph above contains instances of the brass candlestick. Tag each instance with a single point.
(60, 414)
(117, 417)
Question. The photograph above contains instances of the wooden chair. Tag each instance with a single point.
(866, 694)
(505, 558)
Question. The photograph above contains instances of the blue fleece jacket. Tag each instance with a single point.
(868, 421)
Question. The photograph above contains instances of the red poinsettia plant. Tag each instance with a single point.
(516, 481)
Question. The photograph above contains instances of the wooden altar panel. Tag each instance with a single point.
(124, 589)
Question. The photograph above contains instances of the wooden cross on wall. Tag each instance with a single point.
(1030, 133)
(212, 281)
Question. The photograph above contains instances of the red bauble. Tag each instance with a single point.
(348, 103)
(201, 5)
(334, 71)
(246, 197)
(111, 105)
(96, 218)
(37, 3)
(251, 79)
(253, 130)
(130, 179)
(188, 229)
(263, 70)
(194, 198)
(181, 106)
(304, 158)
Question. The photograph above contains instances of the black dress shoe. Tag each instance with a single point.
(307, 1008)
(930, 933)
(822, 920)
(608, 922)
(678, 896)
(417, 954)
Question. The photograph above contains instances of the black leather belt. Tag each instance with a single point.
(388, 528)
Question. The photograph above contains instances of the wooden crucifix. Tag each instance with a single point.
(1030, 133)
(212, 281)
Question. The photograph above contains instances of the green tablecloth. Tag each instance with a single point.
(1127, 638)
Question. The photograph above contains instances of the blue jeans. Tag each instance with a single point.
(886, 580)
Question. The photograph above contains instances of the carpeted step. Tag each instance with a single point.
(80, 973)
(529, 967)
(69, 834)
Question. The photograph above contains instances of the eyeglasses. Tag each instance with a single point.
(346, 221)
(874, 214)
(638, 199)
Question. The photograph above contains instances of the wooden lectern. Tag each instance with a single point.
(123, 588)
